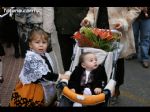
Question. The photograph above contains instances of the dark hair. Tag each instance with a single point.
(37, 31)
(81, 58)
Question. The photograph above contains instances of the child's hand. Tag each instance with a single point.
(63, 76)
(118, 26)
(66, 75)
(85, 22)
(97, 90)
(73, 90)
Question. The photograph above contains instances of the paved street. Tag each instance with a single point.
(136, 88)
(134, 92)
(11, 69)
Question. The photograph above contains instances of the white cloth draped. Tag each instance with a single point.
(34, 67)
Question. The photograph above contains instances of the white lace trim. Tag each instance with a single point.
(34, 67)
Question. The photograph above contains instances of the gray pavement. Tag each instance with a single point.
(135, 91)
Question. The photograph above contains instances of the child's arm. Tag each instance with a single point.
(50, 76)
(73, 90)
(74, 80)
(53, 77)
(100, 77)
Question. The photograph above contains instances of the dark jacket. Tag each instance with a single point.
(8, 28)
(68, 19)
(99, 75)
(142, 14)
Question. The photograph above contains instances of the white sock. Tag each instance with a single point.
(87, 91)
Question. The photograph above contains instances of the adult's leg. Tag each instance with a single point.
(136, 31)
(56, 48)
(16, 48)
(23, 45)
(23, 35)
(145, 42)
(2, 53)
(1, 68)
(15, 39)
(66, 46)
(119, 76)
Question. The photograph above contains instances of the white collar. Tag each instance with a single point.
(87, 72)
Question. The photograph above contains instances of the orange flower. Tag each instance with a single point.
(95, 37)
(95, 31)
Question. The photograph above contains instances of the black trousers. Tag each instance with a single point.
(120, 72)
(66, 46)
(2, 52)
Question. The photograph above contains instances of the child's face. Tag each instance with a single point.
(90, 62)
(38, 44)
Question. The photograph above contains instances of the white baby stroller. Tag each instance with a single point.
(109, 59)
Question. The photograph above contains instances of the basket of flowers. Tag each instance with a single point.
(104, 39)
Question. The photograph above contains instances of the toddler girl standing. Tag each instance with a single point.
(37, 78)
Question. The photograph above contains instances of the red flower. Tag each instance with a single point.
(77, 35)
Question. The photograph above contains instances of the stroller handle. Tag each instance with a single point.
(84, 99)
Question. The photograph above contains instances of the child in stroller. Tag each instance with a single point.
(88, 78)
(105, 59)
